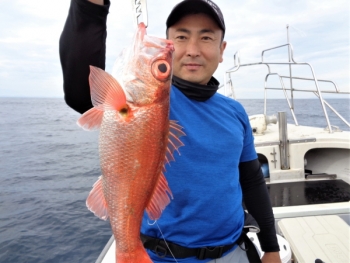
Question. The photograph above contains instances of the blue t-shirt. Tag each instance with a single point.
(207, 205)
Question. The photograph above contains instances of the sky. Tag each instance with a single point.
(318, 31)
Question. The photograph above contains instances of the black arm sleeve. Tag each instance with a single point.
(258, 204)
(82, 43)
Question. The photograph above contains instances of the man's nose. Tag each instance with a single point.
(192, 48)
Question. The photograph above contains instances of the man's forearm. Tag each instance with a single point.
(98, 2)
(258, 204)
(271, 257)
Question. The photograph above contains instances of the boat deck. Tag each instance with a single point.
(308, 192)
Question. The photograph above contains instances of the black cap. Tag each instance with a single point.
(187, 7)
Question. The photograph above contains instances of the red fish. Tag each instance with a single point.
(136, 141)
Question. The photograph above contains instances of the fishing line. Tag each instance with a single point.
(155, 222)
(151, 224)
(299, 31)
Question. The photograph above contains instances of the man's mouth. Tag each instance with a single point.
(192, 66)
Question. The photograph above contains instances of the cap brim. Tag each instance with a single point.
(193, 7)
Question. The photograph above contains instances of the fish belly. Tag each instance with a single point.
(132, 153)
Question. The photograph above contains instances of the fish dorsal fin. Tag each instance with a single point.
(106, 92)
(96, 201)
(174, 143)
(160, 198)
(162, 193)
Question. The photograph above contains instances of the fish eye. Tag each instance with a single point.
(161, 69)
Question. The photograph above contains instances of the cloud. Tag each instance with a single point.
(319, 32)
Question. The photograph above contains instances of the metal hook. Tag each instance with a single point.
(140, 11)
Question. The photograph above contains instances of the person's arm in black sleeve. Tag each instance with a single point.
(82, 43)
(257, 202)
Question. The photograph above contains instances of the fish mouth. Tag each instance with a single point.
(170, 46)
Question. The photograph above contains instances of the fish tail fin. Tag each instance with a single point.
(139, 255)
(96, 201)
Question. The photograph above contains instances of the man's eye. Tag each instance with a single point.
(181, 37)
(206, 38)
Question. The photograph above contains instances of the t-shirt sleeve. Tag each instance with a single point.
(248, 151)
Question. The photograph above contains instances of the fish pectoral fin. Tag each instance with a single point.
(106, 92)
(160, 198)
(174, 142)
(96, 201)
(91, 120)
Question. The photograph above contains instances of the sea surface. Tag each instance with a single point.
(48, 166)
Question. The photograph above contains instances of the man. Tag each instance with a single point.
(218, 162)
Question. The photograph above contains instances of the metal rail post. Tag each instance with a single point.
(283, 136)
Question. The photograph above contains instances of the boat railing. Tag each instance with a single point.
(229, 89)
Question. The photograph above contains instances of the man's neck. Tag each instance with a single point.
(196, 91)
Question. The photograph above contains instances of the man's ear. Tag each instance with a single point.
(222, 49)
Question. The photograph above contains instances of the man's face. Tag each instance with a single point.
(198, 48)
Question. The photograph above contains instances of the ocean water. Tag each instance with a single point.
(48, 166)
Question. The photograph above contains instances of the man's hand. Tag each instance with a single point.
(97, 2)
(271, 257)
